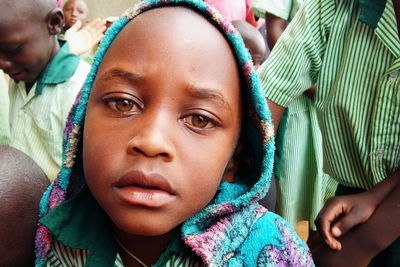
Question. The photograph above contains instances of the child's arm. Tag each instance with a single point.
(275, 27)
(362, 243)
(345, 212)
(276, 113)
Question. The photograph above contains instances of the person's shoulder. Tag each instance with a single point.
(81, 72)
(77, 80)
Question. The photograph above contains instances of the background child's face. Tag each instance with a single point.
(26, 46)
(75, 10)
(162, 121)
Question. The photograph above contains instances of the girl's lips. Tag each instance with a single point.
(150, 190)
(136, 195)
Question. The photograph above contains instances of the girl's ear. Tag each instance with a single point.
(232, 166)
(55, 21)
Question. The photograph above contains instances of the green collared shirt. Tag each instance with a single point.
(284, 9)
(357, 70)
(37, 118)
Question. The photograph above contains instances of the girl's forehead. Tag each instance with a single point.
(180, 27)
(161, 31)
(168, 17)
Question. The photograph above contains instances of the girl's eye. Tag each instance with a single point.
(199, 121)
(123, 105)
(15, 51)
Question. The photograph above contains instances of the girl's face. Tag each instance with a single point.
(162, 122)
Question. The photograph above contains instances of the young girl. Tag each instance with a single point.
(167, 151)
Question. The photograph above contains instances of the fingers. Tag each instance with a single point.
(96, 26)
(96, 30)
(76, 26)
(346, 223)
(331, 212)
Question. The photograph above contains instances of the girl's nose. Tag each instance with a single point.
(152, 137)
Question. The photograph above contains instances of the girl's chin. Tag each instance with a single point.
(146, 230)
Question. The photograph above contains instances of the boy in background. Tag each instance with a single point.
(82, 37)
(44, 79)
(74, 11)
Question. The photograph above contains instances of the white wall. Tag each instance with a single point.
(106, 8)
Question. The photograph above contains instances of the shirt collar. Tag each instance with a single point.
(80, 223)
(60, 69)
(371, 11)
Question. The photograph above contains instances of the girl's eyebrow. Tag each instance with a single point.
(212, 95)
(117, 73)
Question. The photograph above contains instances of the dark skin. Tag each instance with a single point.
(337, 221)
(144, 127)
(252, 39)
(364, 242)
(28, 37)
(22, 183)
(275, 27)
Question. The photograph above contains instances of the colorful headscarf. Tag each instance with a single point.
(257, 129)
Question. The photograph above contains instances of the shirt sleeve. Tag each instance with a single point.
(296, 59)
(278, 8)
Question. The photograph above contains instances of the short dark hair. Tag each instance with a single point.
(22, 184)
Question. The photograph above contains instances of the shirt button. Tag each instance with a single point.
(394, 74)
(379, 153)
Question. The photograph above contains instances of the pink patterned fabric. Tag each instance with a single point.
(231, 9)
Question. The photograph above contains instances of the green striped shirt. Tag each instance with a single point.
(357, 70)
(62, 256)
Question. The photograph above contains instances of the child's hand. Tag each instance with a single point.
(341, 214)
(80, 40)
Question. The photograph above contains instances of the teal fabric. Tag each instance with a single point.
(371, 11)
(78, 222)
(60, 69)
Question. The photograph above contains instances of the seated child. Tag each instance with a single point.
(22, 183)
(253, 41)
(82, 37)
(168, 150)
(45, 79)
